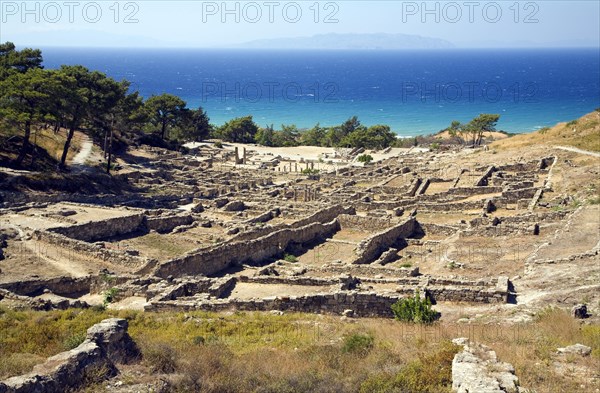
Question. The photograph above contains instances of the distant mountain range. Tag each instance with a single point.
(350, 41)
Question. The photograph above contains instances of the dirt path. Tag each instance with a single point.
(580, 151)
(78, 163)
(84, 152)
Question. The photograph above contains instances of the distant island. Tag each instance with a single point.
(351, 41)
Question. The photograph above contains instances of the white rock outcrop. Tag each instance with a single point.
(476, 369)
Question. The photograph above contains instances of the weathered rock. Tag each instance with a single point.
(221, 202)
(234, 206)
(477, 369)
(579, 311)
(92, 361)
(348, 282)
(577, 349)
(198, 208)
(111, 335)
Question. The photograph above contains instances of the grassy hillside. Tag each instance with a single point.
(583, 133)
(46, 148)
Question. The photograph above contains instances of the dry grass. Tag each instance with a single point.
(258, 352)
(583, 133)
(47, 145)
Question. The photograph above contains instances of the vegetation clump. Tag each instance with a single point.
(414, 309)
(358, 344)
(366, 158)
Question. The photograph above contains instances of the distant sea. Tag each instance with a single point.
(414, 92)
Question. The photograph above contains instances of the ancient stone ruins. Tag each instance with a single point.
(224, 229)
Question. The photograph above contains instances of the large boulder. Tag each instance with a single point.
(93, 361)
(234, 206)
(579, 311)
(477, 369)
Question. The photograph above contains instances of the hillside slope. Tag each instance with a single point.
(583, 133)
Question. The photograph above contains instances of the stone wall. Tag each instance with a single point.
(106, 343)
(371, 248)
(228, 254)
(97, 230)
(63, 286)
(306, 281)
(167, 223)
(363, 223)
(437, 229)
(324, 215)
(364, 304)
(14, 198)
(71, 246)
(523, 193)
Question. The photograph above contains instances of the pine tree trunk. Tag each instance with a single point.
(25, 145)
(63, 158)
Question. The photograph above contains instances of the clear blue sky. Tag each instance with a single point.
(207, 24)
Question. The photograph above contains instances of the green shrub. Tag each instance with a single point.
(543, 130)
(414, 309)
(572, 123)
(358, 344)
(366, 158)
(109, 296)
(218, 144)
(73, 341)
(290, 258)
(199, 340)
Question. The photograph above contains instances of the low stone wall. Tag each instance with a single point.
(324, 215)
(264, 217)
(371, 248)
(522, 193)
(363, 223)
(483, 180)
(530, 218)
(388, 205)
(63, 286)
(364, 304)
(370, 270)
(228, 254)
(414, 186)
(469, 295)
(453, 206)
(97, 230)
(470, 191)
(106, 343)
(167, 223)
(437, 229)
(423, 188)
(304, 281)
(221, 286)
(54, 302)
(93, 250)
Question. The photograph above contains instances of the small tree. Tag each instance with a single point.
(414, 309)
(166, 111)
(366, 158)
(239, 130)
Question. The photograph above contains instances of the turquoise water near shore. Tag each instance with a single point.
(415, 92)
